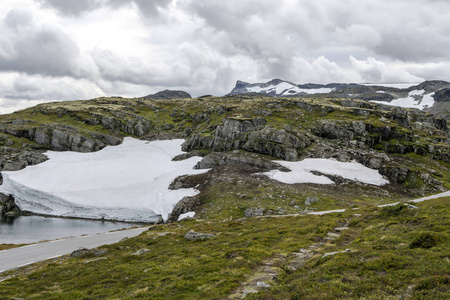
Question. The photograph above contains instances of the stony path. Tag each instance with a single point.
(265, 276)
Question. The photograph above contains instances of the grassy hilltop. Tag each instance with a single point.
(264, 246)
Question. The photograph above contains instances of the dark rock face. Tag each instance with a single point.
(442, 95)
(168, 94)
(8, 206)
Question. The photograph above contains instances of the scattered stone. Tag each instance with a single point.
(95, 259)
(341, 228)
(410, 206)
(262, 284)
(334, 253)
(194, 236)
(141, 252)
(332, 235)
(85, 253)
(310, 200)
(254, 212)
(281, 211)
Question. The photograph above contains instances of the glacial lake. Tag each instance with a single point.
(31, 229)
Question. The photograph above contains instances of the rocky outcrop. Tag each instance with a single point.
(60, 137)
(185, 205)
(8, 206)
(251, 135)
(238, 158)
(168, 94)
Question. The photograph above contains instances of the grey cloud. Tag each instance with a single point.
(17, 17)
(45, 50)
(32, 48)
(149, 9)
(137, 71)
(71, 7)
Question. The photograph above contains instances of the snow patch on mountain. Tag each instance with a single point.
(286, 89)
(128, 182)
(301, 172)
(416, 99)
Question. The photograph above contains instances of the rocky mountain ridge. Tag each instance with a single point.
(436, 92)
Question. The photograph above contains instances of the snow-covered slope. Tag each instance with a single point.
(286, 89)
(416, 99)
(279, 88)
(127, 182)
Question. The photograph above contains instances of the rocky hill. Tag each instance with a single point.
(168, 94)
(256, 236)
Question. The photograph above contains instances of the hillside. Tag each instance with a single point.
(242, 139)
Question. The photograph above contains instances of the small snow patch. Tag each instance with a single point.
(301, 172)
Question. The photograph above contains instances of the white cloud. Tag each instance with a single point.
(372, 70)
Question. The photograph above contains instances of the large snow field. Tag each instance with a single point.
(301, 172)
(410, 102)
(126, 182)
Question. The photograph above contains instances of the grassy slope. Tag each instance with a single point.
(391, 260)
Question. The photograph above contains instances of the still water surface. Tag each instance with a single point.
(31, 229)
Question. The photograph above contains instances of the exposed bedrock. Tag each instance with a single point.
(250, 135)
(8, 206)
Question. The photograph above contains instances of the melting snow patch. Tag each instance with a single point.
(411, 102)
(190, 214)
(128, 182)
(301, 172)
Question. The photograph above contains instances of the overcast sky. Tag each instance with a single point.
(82, 49)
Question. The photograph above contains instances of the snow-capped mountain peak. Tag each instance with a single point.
(278, 88)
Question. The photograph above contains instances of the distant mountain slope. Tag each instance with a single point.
(422, 96)
(168, 94)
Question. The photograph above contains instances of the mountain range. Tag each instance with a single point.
(430, 96)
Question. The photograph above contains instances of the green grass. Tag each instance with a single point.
(400, 252)
(386, 262)
(175, 268)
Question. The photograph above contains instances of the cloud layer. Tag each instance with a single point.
(60, 49)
